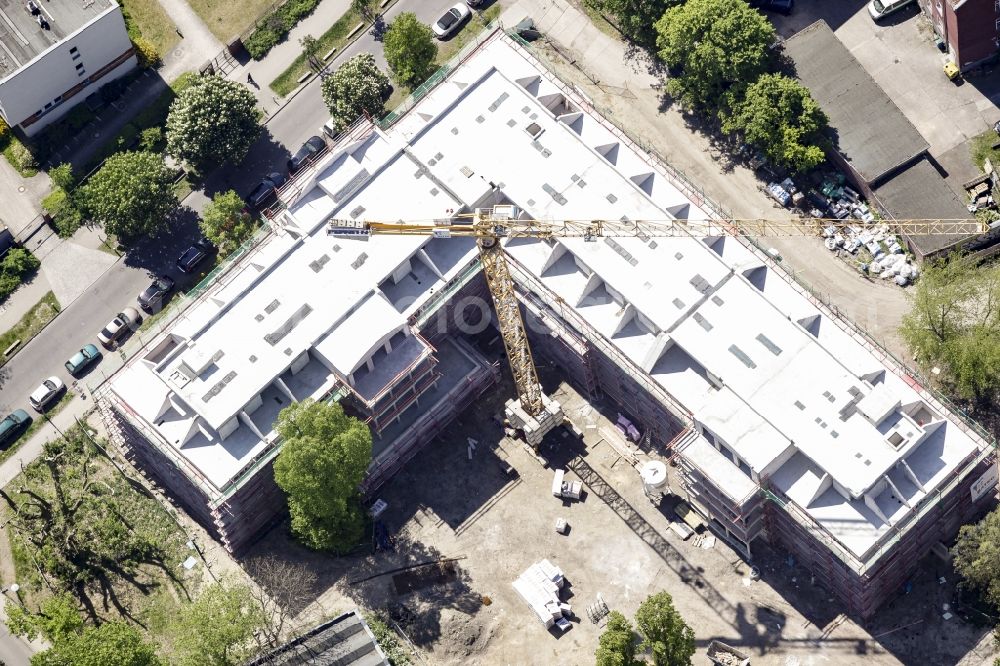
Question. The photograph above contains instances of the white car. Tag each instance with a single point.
(43, 396)
(451, 21)
(879, 9)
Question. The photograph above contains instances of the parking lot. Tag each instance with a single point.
(900, 55)
(446, 504)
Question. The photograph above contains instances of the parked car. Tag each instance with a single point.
(777, 6)
(46, 393)
(879, 9)
(119, 327)
(475, 3)
(194, 255)
(13, 425)
(265, 190)
(313, 145)
(80, 360)
(451, 21)
(152, 296)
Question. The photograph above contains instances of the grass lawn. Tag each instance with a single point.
(19, 157)
(981, 147)
(149, 587)
(448, 50)
(37, 421)
(335, 37)
(34, 320)
(226, 18)
(148, 19)
(399, 93)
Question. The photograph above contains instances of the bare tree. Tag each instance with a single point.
(283, 590)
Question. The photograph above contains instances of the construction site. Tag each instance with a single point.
(783, 426)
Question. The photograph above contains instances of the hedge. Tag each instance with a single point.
(273, 28)
(15, 266)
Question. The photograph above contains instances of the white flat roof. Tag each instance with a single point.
(708, 319)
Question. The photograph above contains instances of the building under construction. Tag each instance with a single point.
(786, 423)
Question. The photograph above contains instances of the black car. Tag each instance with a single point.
(265, 191)
(152, 297)
(313, 145)
(777, 6)
(194, 255)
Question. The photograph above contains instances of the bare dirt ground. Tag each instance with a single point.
(444, 505)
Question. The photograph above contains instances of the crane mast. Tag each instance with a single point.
(515, 337)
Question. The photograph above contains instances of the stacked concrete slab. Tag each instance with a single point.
(539, 586)
(534, 427)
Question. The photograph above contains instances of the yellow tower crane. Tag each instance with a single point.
(490, 225)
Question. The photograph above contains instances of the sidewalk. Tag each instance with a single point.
(21, 197)
(281, 56)
(32, 448)
(69, 267)
(198, 44)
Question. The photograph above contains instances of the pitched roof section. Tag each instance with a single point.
(870, 131)
(343, 641)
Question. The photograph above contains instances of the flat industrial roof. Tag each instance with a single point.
(920, 192)
(21, 36)
(869, 129)
(779, 387)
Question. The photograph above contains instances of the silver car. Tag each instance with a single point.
(119, 327)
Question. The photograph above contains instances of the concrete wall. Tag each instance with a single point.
(104, 50)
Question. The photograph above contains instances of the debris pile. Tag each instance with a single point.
(881, 252)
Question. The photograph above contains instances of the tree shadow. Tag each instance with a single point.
(158, 253)
(265, 156)
(413, 596)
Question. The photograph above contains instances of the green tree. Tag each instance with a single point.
(62, 176)
(218, 628)
(364, 8)
(664, 632)
(66, 215)
(57, 619)
(19, 261)
(322, 461)
(409, 50)
(977, 556)
(310, 47)
(131, 195)
(110, 644)
(779, 116)
(716, 46)
(225, 221)
(616, 646)
(357, 87)
(212, 121)
(954, 324)
(635, 18)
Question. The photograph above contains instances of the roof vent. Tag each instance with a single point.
(534, 130)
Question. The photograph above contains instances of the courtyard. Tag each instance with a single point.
(456, 505)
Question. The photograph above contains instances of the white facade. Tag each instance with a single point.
(36, 92)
